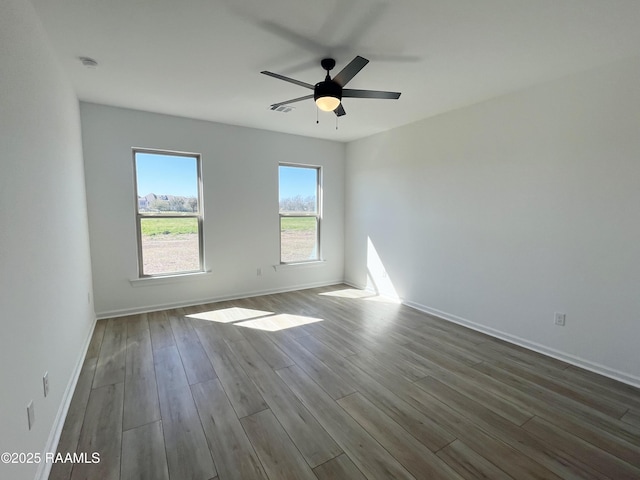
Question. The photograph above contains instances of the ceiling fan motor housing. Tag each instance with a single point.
(328, 88)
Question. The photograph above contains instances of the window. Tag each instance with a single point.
(168, 212)
(300, 213)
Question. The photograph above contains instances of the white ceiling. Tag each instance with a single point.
(201, 58)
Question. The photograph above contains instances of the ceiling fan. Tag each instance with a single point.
(329, 93)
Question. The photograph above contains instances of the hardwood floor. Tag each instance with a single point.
(334, 383)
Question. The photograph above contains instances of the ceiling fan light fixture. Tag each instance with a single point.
(327, 95)
(327, 104)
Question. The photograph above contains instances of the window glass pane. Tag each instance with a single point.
(298, 239)
(298, 189)
(169, 245)
(166, 184)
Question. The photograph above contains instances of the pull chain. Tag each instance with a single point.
(336, 122)
(317, 120)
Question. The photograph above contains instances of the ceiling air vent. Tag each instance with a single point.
(282, 108)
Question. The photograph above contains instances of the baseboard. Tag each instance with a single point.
(235, 296)
(44, 468)
(536, 347)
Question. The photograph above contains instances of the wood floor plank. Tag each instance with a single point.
(332, 383)
(632, 417)
(396, 364)
(469, 464)
(600, 460)
(496, 403)
(312, 440)
(589, 398)
(505, 457)
(370, 458)
(141, 404)
(359, 338)
(111, 360)
(70, 434)
(556, 460)
(232, 452)
(612, 435)
(339, 468)
(449, 365)
(96, 339)
(479, 392)
(160, 329)
(568, 377)
(622, 388)
(181, 327)
(413, 455)
(143, 453)
(448, 334)
(280, 457)
(242, 392)
(188, 454)
(521, 355)
(336, 343)
(170, 373)
(268, 350)
(433, 324)
(429, 433)
(427, 345)
(194, 359)
(102, 434)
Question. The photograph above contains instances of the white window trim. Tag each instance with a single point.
(170, 276)
(317, 215)
(168, 279)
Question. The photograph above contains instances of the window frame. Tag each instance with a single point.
(199, 215)
(317, 214)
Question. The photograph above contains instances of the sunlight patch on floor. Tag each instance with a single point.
(349, 293)
(229, 315)
(275, 323)
(382, 299)
(367, 295)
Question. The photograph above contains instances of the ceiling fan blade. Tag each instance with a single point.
(306, 97)
(350, 93)
(350, 71)
(287, 79)
(339, 111)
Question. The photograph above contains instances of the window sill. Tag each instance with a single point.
(168, 279)
(287, 266)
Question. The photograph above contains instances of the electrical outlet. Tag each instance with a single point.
(45, 383)
(31, 414)
(259, 272)
(560, 318)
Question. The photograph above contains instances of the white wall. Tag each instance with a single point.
(45, 272)
(240, 176)
(502, 213)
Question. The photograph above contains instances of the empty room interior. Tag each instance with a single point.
(348, 239)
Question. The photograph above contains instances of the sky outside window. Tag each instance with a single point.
(298, 181)
(166, 174)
